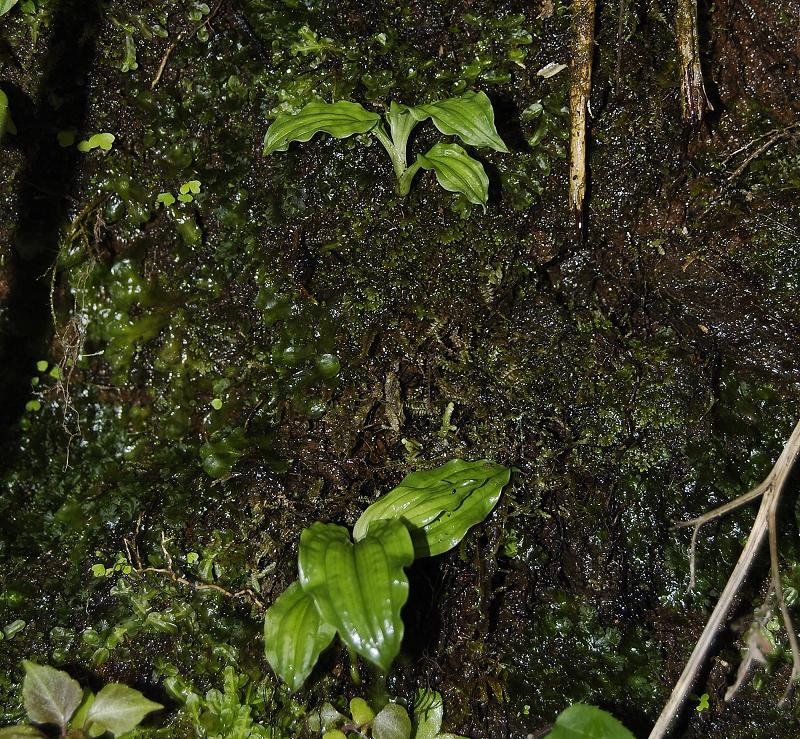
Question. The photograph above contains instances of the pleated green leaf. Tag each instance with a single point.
(294, 636)
(359, 588)
(340, 119)
(470, 117)
(457, 171)
(440, 505)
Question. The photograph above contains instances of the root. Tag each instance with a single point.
(583, 12)
(765, 524)
(134, 558)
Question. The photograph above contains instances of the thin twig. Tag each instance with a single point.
(774, 139)
(164, 59)
(765, 522)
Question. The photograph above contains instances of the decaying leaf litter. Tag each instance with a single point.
(633, 378)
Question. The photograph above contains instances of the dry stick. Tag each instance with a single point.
(693, 92)
(766, 521)
(580, 87)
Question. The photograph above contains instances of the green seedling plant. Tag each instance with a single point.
(391, 722)
(102, 141)
(52, 697)
(469, 117)
(356, 587)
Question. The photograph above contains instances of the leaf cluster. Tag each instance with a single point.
(357, 587)
(469, 117)
(391, 722)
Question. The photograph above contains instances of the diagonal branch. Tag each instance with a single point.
(765, 523)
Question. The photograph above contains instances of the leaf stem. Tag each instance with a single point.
(354, 676)
(398, 157)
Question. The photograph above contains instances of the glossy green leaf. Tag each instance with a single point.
(294, 636)
(457, 171)
(428, 713)
(340, 119)
(359, 588)
(580, 721)
(51, 696)
(392, 722)
(6, 5)
(440, 505)
(118, 708)
(20, 732)
(470, 117)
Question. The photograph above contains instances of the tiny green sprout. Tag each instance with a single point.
(703, 704)
(192, 557)
(190, 186)
(56, 372)
(99, 570)
(99, 140)
(166, 198)
(42, 365)
(216, 404)
(184, 198)
(33, 405)
(66, 138)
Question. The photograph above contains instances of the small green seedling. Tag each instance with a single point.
(429, 513)
(52, 697)
(102, 141)
(192, 186)
(469, 117)
(391, 722)
(165, 197)
(703, 703)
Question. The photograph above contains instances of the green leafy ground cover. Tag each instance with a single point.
(292, 338)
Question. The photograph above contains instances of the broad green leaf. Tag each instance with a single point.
(340, 119)
(470, 117)
(392, 723)
(428, 713)
(118, 708)
(51, 696)
(457, 171)
(6, 5)
(359, 588)
(294, 636)
(440, 505)
(580, 721)
(20, 732)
